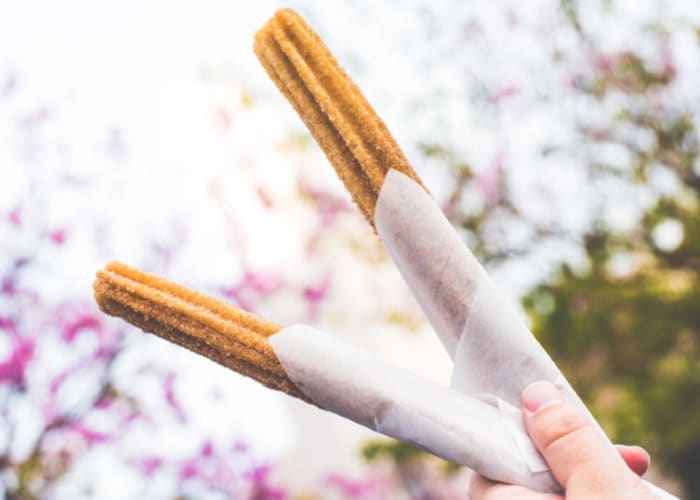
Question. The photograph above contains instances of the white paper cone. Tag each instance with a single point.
(493, 351)
(343, 379)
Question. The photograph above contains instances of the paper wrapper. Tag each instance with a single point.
(476, 422)
(493, 351)
(350, 382)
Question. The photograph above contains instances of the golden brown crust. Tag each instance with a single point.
(207, 326)
(355, 140)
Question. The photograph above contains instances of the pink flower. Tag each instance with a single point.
(15, 218)
(261, 489)
(207, 449)
(105, 401)
(667, 59)
(254, 286)
(489, 181)
(603, 62)
(149, 465)
(90, 435)
(8, 287)
(84, 321)
(503, 93)
(329, 206)
(14, 367)
(173, 403)
(262, 282)
(330, 210)
(49, 407)
(58, 236)
(314, 295)
(239, 447)
(76, 319)
(188, 470)
(209, 469)
(351, 487)
(7, 323)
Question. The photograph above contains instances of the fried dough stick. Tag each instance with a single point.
(231, 337)
(354, 138)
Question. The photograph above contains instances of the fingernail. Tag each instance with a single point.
(540, 395)
(638, 448)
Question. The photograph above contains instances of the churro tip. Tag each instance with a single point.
(355, 140)
(266, 32)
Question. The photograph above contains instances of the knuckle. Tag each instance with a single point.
(558, 425)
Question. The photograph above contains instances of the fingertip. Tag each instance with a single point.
(636, 458)
(565, 436)
(540, 395)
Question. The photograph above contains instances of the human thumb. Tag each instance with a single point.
(580, 457)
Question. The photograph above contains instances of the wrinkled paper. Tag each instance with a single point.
(477, 421)
(348, 381)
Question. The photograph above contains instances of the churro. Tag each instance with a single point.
(223, 333)
(355, 140)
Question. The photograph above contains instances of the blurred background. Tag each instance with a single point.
(560, 138)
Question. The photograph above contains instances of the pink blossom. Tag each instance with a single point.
(49, 408)
(84, 321)
(254, 286)
(239, 447)
(8, 286)
(90, 435)
(15, 218)
(173, 403)
(489, 181)
(503, 93)
(329, 206)
(667, 59)
(261, 489)
(58, 236)
(208, 468)
(314, 295)
(188, 470)
(261, 282)
(207, 449)
(50, 405)
(351, 487)
(130, 417)
(239, 297)
(330, 210)
(603, 62)
(105, 401)
(7, 323)
(149, 465)
(14, 367)
(76, 319)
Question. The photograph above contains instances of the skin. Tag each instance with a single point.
(580, 458)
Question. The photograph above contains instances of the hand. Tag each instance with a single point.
(580, 458)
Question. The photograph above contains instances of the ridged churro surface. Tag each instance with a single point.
(355, 140)
(207, 326)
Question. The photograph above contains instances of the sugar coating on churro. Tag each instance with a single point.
(355, 140)
(207, 326)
